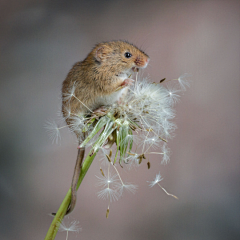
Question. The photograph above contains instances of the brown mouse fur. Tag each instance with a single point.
(95, 80)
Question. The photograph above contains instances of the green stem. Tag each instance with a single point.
(52, 231)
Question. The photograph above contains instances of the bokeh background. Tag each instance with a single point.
(40, 41)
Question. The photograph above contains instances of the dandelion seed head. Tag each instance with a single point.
(141, 122)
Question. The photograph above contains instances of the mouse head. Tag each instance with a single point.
(120, 56)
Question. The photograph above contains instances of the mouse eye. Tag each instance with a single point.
(127, 54)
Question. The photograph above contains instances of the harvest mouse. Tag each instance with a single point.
(95, 82)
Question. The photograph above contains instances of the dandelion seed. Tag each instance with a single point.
(157, 179)
(53, 131)
(128, 187)
(103, 158)
(132, 161)
(165, 152)
(168, 128)
(77, 123)
(173, 94)
(72, 227)
(167, 113)
(68, 111)
(183, 81)
(151, 142)
(67, 96)
(106, 180)
(109, 193)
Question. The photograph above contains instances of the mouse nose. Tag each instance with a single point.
(147, 61)
(142, 62)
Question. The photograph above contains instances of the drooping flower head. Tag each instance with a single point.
(128, 132)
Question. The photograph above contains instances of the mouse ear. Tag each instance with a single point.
(101, 53)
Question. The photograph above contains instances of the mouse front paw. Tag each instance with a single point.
(127, 82)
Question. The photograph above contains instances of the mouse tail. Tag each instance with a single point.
(76, 174)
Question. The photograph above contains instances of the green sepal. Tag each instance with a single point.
(108, 129)
(103, 120)
(131, 140)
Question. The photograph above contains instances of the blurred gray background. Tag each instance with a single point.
(40, 41)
